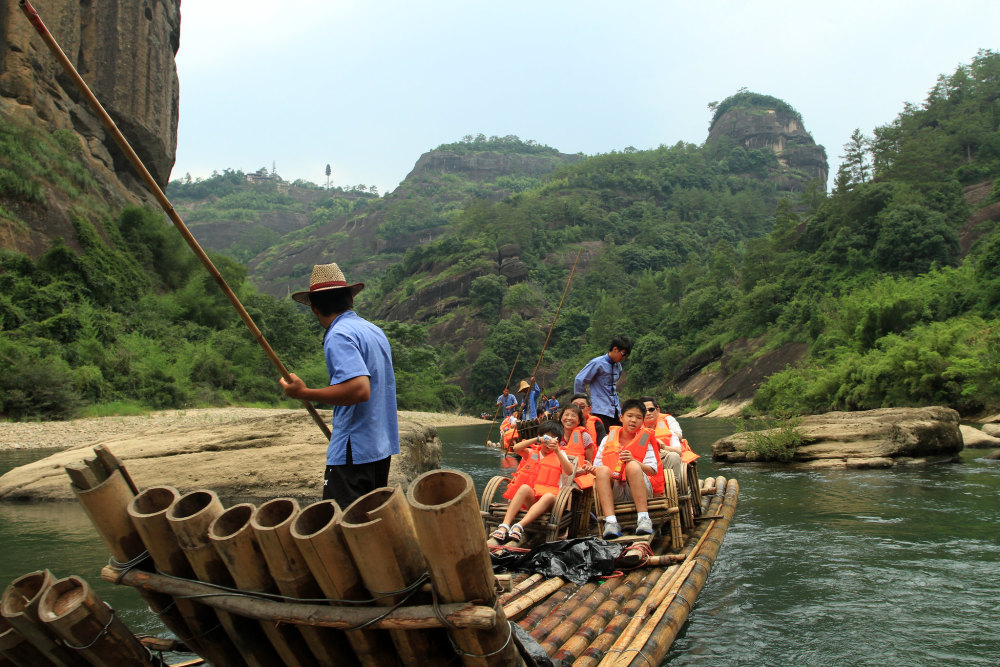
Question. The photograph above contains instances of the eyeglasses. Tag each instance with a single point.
(648, 410)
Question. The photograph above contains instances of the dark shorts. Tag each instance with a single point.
(347, 482)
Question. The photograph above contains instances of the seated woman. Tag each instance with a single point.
(577, 442)
(535, 483)
(628, 467)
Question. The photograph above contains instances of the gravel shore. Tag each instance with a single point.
(77, 432)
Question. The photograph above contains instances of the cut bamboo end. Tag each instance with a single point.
(19, 606)
(446, 517)
(74, 612)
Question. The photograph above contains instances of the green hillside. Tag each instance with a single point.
(710, 257)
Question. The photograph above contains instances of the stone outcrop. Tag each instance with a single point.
(871, 439)
(125, 51)
(976, 439)
(760, 125)
(268, 457)
(488, 165)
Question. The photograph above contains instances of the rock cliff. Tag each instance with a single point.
(760, 121)
(125, 51)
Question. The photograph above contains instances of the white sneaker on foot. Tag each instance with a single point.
(611, 530)
(644, 526)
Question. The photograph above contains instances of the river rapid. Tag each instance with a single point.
(870, 567)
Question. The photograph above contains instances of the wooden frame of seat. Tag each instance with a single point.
(689, 495)
(664, 512)
(563, 518)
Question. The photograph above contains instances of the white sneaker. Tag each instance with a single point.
(644, 526)
(611, 530)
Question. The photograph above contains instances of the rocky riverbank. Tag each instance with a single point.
(237, 452)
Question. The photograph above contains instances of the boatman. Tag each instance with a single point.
(529, 404)
(362, 389)
(507, 402)
(602, 374)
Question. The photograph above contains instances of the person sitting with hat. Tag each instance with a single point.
(362, 389)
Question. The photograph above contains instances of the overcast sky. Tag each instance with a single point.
(369, 86)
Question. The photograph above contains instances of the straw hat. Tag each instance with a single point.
(326, 277)
(524, 386)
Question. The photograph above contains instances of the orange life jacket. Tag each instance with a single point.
(663, 434)
(539, 471)
(591, 429)
(687, 454)
(639, 446)
(508, 432)
(574, 447)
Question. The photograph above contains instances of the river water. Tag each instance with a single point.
(870, 567)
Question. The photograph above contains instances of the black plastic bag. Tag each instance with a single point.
(574, 560)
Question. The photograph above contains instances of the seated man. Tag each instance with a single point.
(668, 441)
(627, 467)
(535, 483)
(594, 426)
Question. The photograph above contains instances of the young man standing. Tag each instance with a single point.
(507, 402)
(362, 389)
(602, 374)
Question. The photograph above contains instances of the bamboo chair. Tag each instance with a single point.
(664, 512)
(563, 520)
(689, 495)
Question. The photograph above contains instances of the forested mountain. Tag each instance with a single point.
(725, 262)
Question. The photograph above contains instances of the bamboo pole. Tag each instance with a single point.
(562, 592)
(560, 612)
(379, 533)
(520, 588)
(19, 608)
(528, 600)
(317, 532)
(148, 512)
(234, 541)
(506, 386)
(446, 517)
(271, 524)
(160, 197)
(652, 644)
(596, 621)
(73, 611)
(415, 617)
(107, 506)
(611, 589)
(569, 281)
(189, 517)
(593, 654)
(578, 613)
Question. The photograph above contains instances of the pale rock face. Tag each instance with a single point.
(283, 455)
(873, 438)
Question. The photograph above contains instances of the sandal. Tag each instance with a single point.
(498, 536)
(516, 534)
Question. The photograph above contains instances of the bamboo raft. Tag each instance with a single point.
(393, 579)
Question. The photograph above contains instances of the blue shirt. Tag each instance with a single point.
(531, 409)
(602, 375)
(509, 403)
(354, 347)
(551, 405)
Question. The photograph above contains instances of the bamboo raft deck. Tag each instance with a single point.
(394, 579)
